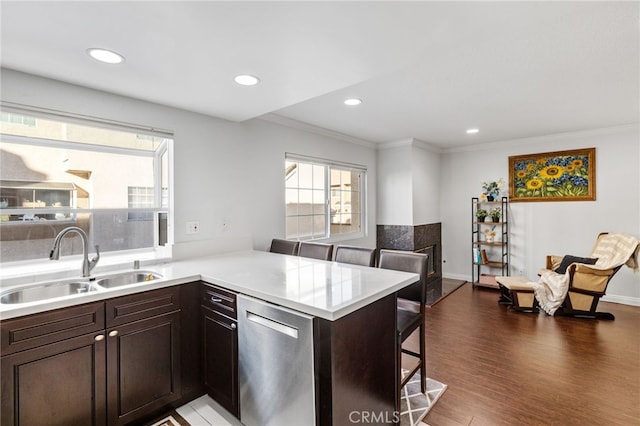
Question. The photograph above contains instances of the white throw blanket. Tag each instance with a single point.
(612, 250)
(550, 290)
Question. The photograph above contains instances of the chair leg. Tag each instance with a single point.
(505, 295)
(399, 376)
(423, 366)
(423, 363)
(585, 314)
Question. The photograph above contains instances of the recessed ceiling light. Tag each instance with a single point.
(106, 56)
(472, 131)
(353, 101)
(246, 80)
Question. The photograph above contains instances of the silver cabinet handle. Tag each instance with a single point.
(99, 337)
(233, 325)
(215, 299)
(113, 333)
(274, 325)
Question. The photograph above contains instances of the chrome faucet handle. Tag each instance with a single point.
(94, 261)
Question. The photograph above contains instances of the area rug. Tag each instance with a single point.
(171, 419)
(414, 404)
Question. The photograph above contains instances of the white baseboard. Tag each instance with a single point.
(457, 277)
(624, 300)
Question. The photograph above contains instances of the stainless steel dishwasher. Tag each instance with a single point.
(275, 347)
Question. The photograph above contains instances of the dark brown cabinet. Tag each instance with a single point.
(220, 346)
(143, 354)
(61, 383)
(101, 363)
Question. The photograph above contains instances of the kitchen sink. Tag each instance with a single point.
(127, 278)
(45, 291)
(73, 286)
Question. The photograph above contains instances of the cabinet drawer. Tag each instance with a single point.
(219, 300)
(139, 306)
(48, 327)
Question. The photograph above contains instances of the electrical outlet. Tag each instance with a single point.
(193, 227)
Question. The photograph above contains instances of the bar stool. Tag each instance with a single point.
(356, 255)
(316, 250)
(410, 311)
(284, 247)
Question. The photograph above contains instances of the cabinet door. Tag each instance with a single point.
(143, 367)
(61, 383)
(220, 359)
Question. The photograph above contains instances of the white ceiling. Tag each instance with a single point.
(424, 70)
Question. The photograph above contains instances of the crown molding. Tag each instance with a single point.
(301, 125)
(410, 142)
(427, 146)
(545, 138)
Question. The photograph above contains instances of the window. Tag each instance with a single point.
(110, 180)
(140, 196)
(19, 119)
(324, 199)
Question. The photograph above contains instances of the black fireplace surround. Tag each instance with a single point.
(420, 239)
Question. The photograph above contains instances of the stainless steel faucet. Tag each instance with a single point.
(87, 265)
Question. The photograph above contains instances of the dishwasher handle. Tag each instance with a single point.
(274, 325)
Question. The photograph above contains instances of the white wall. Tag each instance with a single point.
(541, 228)
(395, 182)
(426, 185)
(224, 172)
(266, 147)
(408, 183)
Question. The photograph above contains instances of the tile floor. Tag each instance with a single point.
(204, 411)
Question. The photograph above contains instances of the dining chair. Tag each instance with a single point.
(356, 255)
(410, 312)
(316, 250)
(284, 246)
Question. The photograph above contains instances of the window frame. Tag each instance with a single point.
(163, 196)
(329, 165)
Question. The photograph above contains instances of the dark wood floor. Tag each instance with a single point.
(509, 368)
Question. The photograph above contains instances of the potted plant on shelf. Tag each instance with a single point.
(495, 214)
(481, 214)
(491, 190)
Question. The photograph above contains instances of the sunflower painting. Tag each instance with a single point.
(553, 176)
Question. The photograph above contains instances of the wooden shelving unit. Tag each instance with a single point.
(496, 259)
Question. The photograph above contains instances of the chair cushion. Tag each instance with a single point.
(568, 260)
(515, 283)
(408, 321)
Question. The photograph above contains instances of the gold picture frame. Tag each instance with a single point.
(553, 176)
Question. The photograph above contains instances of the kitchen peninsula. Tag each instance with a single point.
(352, 311)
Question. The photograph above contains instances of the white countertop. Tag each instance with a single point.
(328, 290)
